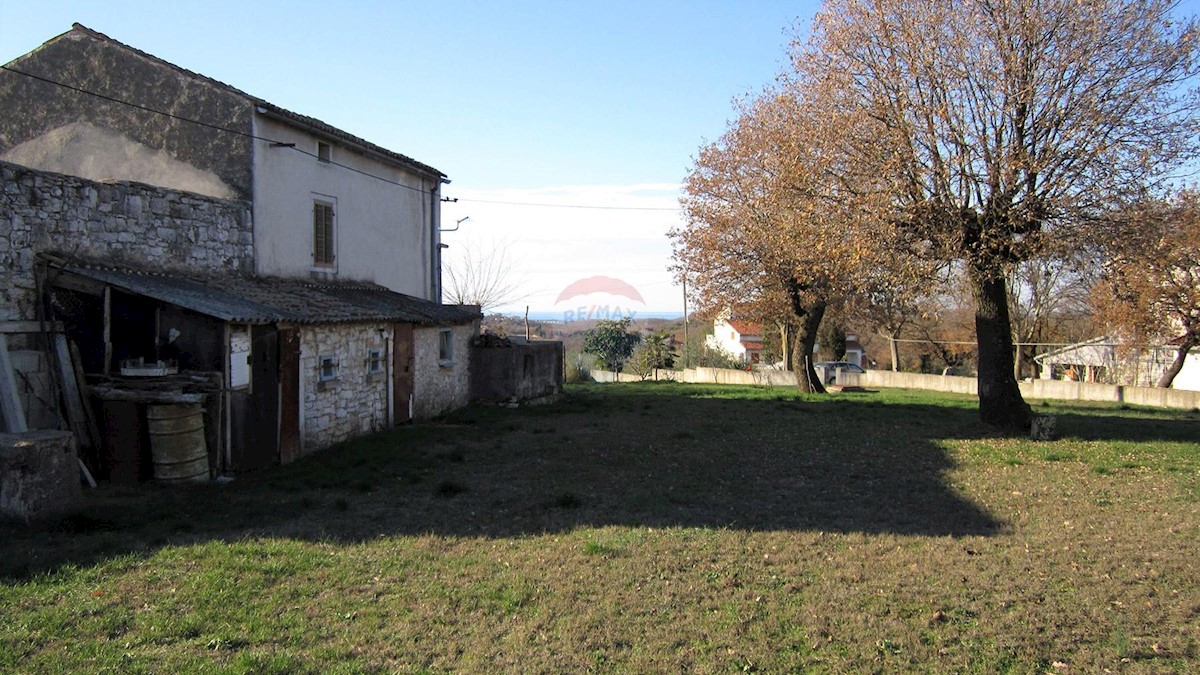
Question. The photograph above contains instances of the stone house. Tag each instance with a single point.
(162, 216)
(323, 203)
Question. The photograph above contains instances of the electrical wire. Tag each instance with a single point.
(208, 125)
(570, 206)
(278, 143)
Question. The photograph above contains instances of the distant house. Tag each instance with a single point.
(160, 215)
(1100, 360)
(854, 351)
(742, 339)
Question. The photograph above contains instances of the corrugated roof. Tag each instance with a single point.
(258, 300)
(302, 120)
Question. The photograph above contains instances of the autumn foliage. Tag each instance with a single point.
(981, 134)
(1150, 289)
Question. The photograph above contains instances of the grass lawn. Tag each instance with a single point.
(645, 528)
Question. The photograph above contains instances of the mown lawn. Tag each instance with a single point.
(645, 528)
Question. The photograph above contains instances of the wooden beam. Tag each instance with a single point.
(11, 411)
(76, 417)
(30, 326)
(93, 425)
(108, 348)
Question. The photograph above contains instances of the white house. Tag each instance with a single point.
(1100, 360)
(742, 339)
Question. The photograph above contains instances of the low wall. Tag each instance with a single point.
(39, 475)
(1034, 389)
(516, 371)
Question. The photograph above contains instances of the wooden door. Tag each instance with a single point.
(289, 395)
(255, 413)
(402, 372)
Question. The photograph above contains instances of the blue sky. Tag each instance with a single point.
(600, 103)
(520, 101)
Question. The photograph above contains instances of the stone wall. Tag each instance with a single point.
(45, 120)
(118, 222)
(355, 401)
(39, 475)
(441, 386)
(517, 372)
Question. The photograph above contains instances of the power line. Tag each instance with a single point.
(208, 125)
(281, 144)
(569, 206)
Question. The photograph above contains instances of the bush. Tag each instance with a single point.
(579, 368)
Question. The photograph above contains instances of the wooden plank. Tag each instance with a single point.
(30, 326)
(10, 402)
(76, 418)
(89, 413)
(402, 372)
(108, 347)
(289, 395)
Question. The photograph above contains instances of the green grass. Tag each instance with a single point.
(644, 528)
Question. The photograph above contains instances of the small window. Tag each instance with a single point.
(324, 152)
(239, 357)
(328, 369)
(374, 362)
(324, 234)
(446, 346)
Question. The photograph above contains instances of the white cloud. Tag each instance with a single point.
(552, 243)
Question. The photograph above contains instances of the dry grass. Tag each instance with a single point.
(645, 528)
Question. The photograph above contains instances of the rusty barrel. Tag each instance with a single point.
(177, 442)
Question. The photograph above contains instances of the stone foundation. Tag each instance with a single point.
(39, 475)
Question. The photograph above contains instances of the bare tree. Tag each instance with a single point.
(482, 275)
(1150, 289)
(1007, 125)
(1049, 297)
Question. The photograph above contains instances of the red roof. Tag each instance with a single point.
(746, 327)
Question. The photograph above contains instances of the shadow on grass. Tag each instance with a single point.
(652, 456)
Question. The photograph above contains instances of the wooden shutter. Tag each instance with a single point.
(323, 241)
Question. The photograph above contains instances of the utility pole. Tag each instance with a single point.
(685, 323)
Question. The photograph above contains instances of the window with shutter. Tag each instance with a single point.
(323, 234)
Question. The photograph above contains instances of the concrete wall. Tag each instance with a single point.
(522, 372)
(384, 232)
(32, 373)
(1034, 389)
(441, 386)
(119, 222)
(356, 401)
(56, 129)
(39, 475)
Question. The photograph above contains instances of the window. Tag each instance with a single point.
(324, 152)
(446, 346)
(324, 234)
(239, 357)
(374, 362)
(327, 369)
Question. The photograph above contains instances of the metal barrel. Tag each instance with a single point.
(177, 443)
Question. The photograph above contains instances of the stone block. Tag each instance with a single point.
(39, 475)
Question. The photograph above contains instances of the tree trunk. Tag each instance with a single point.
(894, 353)
(787, 340)
(1177, 365)
(806, 340)
(1000, 401)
